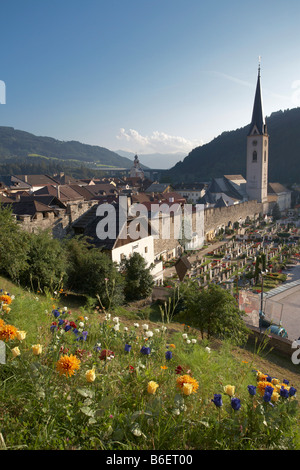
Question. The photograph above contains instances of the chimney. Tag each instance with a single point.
(25, 178)
(58, 191)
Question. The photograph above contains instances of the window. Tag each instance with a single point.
(265, 156)
(254, 156)
(146, 249)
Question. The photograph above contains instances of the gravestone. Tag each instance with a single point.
(2, 353)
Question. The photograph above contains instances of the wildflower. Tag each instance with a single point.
(116, 320)
(172, 346)
(152, 387)
(149, 334)
(5, 298)
(2, 323)
(275, 381)
(163, 367)
(146, 351)
(194, 341)
(267, 397)
(116, 327)
(188, 341)
(37, 349)
(284, 392)
(67, 365)
(90, 375)
(252, 390)
(261, 385)
(21, 335)
(229, 390)
(145, 327)
(217, 400)
(105, 353)
(236, 403)
(127, 348)
(16, 352)
(184, 336)
(163, 328)
(207, 349)
(8, 332)
(168, 355)
(292, 391)
(187, 379)
(275, 396)
(187, 388)
(136, 325)
(81, 324)
(286, 382)
(179, 370)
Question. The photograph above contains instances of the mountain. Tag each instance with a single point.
(226, 154)
(155, 160)
(17, 145)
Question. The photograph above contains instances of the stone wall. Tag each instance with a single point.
(59, 221)
(224, 216)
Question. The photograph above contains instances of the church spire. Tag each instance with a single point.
(258, 121)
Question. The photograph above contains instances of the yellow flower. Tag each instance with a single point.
(187, 388)
(262, 384)
(67, 365)
(37, 349)
(275, 381)
(16, 351)
(172, 346)
(229, 390)
(163, 367)
(6, 308)
(7, 332)
(187, 379)
(21, 335)
(275, 396)
(90, 375)
(2, 323)
(152, 387)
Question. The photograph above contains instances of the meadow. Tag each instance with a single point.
(81, 378)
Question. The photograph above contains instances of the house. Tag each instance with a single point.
(119, 243)
(277, 193)
(191, 192)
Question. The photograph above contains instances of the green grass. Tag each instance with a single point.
(41, 409)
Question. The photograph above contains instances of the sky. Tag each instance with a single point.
(145, 76)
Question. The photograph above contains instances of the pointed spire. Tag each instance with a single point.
(258, 119)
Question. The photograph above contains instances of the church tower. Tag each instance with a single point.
(257, 151)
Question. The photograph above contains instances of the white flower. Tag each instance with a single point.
(116, 327)
(156, 330)
(46, 311)
(149, 334)
(194, 341)
(116, 319)
(207, 349)
(163, 328)
(188, 341)
(136, 325)
(145, 326)
(184, 336)
(107, 316)
(125, 328)
(65, 309)
(81, 324)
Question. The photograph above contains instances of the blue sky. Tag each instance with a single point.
(145, 75)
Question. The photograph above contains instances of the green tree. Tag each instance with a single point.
(214, 311)
(46, 263)
(138, 279)
(276, 214)
(13, 245)
(91, 272)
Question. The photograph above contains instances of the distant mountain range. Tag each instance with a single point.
(17, 145)
(226, 154)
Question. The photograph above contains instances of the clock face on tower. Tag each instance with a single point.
(254, 142)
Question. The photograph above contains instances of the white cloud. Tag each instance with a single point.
(156, 142)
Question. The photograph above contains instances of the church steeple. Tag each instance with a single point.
(258, 125)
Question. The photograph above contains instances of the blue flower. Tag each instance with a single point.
(60, 321)
(217, 400)
(236, 403)
(145, 350)
(269, 389)
(67, 327)
(292, 391)
(285, 381)
(284, 392)
(56, 313)
(168, 355)
(267, 397)
(127, 348)
(252, 389)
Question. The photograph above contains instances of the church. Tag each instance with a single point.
(235, 189)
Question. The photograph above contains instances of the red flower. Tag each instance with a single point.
(179, 370)
(106, 353)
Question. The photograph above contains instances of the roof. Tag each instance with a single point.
(36, 180)
(30, 207)
(221, 202)
(224, 185)
(258, 119)
(62, 192)
(277, 188)
(157, 188)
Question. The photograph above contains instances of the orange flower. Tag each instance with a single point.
(262, 384)
(67, 365)
(8, 332)
(5, 299)
(2, 322)
(187, 379)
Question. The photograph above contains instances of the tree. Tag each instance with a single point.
(276, 214)
(91, 272)
(13, 245)
(214, 311)
(138, 279)
(46, 262)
